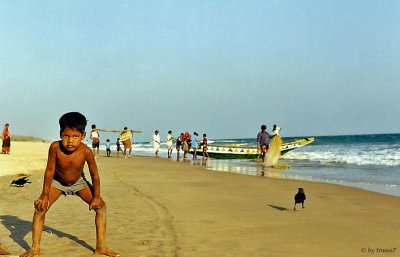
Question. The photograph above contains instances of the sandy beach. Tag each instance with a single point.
(158, 207)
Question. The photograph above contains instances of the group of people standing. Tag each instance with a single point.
(184, 142)
(125, 134)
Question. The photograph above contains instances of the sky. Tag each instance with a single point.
(218, 67)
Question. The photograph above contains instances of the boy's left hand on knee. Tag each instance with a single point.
(96, 203)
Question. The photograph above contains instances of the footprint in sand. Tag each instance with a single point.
(142, 242)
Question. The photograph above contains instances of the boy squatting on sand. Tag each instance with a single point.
(64, 175)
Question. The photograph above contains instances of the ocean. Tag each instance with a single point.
(370, 162)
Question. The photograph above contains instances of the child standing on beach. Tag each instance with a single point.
(118, 143)
(108, 147)
(64, 175)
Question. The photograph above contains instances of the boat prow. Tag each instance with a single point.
(288, 146)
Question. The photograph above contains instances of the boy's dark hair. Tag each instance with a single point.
(74, 120)
(204, 135)
(93, 126)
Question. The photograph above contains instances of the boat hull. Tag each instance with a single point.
(247, 152)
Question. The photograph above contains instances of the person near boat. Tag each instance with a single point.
(186, 144)
(204, 144)
(195, 144)
(263, 139)
(274, 149)
(179, 143)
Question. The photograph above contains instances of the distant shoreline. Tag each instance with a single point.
(28, 139)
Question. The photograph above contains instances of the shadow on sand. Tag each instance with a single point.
(279, 208)
(20, 228)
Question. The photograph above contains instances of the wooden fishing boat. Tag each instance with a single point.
(247, 152)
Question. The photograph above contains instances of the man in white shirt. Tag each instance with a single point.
(156, 142)
(170, 143)
(95, 136)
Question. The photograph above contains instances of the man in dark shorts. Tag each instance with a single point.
(95, 136)
(263, 139)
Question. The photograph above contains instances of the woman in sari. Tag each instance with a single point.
(6, 139)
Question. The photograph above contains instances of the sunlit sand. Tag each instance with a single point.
(158, 207)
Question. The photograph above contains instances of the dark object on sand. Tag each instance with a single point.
(300, 197)
(20, 182)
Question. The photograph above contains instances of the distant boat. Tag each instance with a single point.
(247, 152)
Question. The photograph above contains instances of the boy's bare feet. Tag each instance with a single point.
(31, 253)
(106, 251)
(3, 251)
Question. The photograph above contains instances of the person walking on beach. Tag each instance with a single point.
(108, 147)
(6, 137)
(179, 142)
(204, 144)
(126, 134)
(170, 143)
(64, 175)
(263, 139)
(195, 145)
(156, 142)
(95, 136)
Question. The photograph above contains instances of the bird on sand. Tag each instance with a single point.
(20, 182)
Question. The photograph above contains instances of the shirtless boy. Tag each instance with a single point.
(64, 175)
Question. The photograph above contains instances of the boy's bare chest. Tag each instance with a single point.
(70, 162)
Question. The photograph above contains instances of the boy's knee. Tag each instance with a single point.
(39, 213)
(101, 209)
(102, 204)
